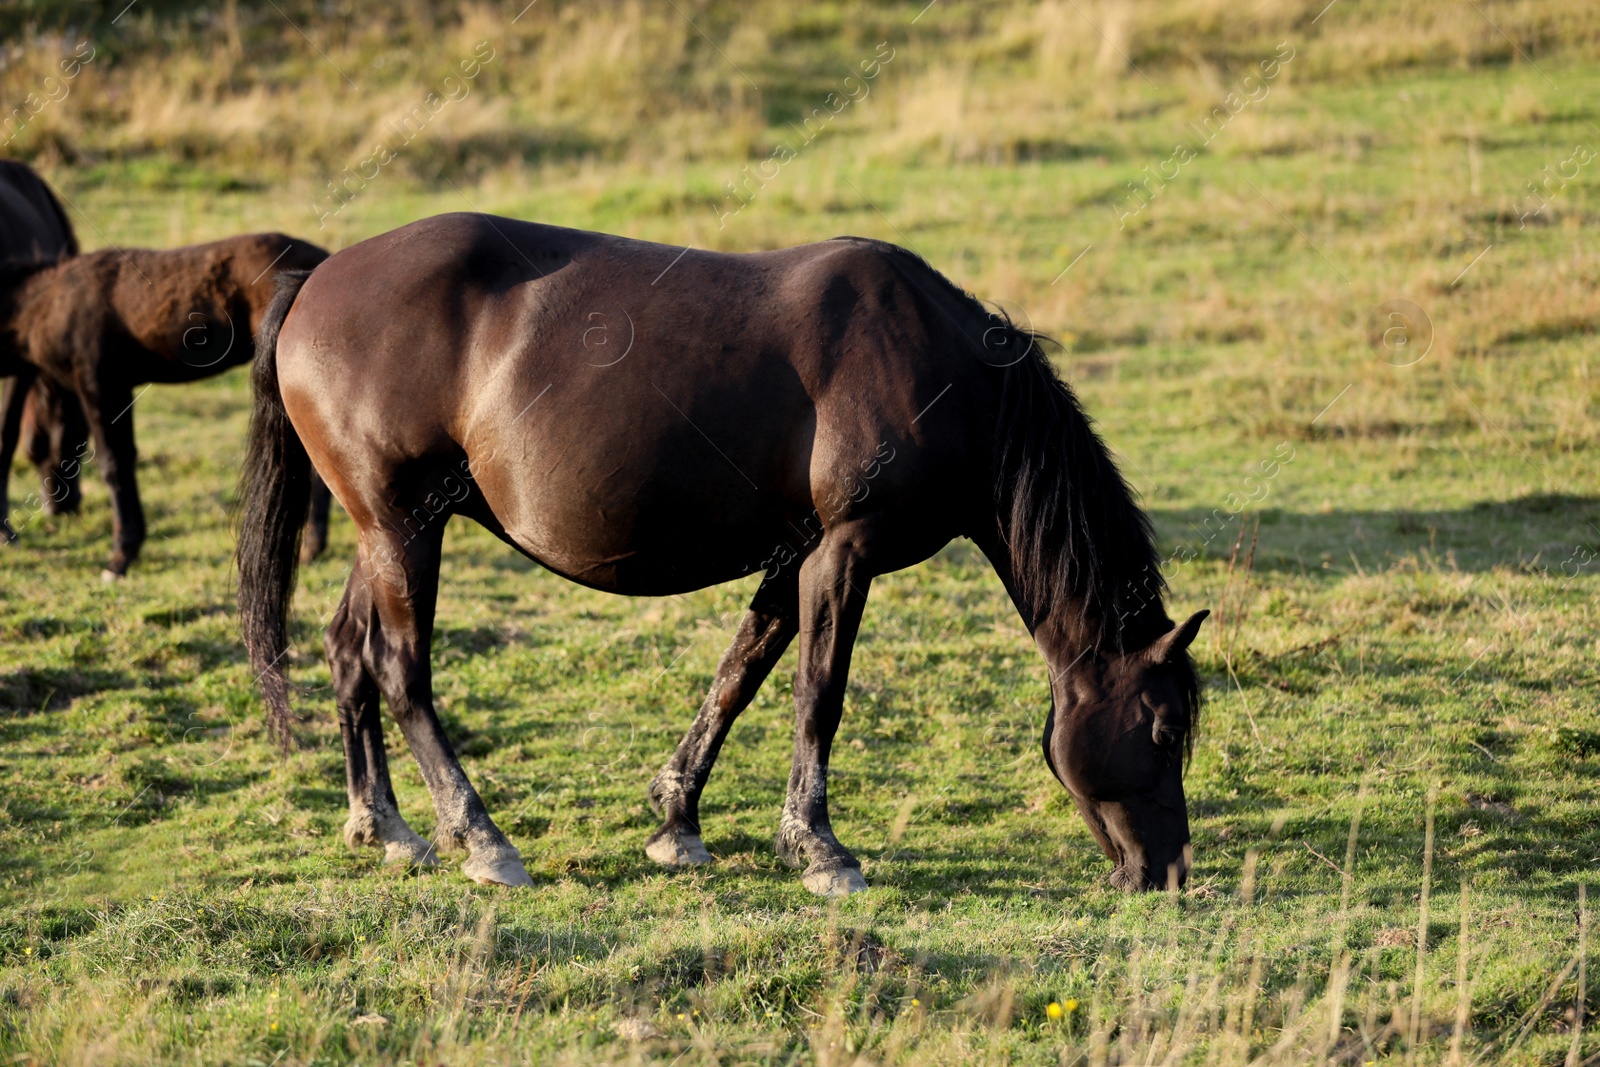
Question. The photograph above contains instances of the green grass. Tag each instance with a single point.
(1418, 618)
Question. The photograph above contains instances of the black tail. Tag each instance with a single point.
(274, 491)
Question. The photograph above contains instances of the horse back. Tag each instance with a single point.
(33, 228)
(618, 403)
(168, 315)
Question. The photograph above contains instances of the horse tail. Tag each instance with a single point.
(274, 492)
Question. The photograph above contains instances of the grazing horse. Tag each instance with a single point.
(101, 324)
(34, 229)
(648, 420)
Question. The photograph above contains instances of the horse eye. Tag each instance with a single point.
(1165, 735)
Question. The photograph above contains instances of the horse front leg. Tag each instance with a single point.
(765, 632)
(833, 594)
(402, 577)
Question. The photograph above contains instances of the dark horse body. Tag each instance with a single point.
(648, 420)
(100, 325)
(34, 229)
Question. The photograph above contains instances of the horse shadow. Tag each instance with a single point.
(1554, 533)
(27, 691)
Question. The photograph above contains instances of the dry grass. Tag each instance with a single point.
(239, 88)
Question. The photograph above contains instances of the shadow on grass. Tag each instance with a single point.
(1557, 533)
(29, 690)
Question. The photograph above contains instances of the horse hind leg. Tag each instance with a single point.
(375, 820)
(403, 580)
(57, 444)
(765, 632)
(315, 538)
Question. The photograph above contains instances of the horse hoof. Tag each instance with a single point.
(109, 576)
(677, 850)
(416, 853)
(834, 881)
(402, 846)
(497, 869)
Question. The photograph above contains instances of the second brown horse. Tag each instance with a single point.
(101, 325)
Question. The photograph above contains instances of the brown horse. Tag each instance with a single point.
(648, 420)
(100, 325)
(34, 229)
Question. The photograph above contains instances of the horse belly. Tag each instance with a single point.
(651, 552)
(628, 519)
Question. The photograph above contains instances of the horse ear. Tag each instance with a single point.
(1177, 639)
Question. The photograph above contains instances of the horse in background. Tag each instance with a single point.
(34, 229)
(100, 324)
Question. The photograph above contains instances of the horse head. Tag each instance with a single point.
(1116, 738)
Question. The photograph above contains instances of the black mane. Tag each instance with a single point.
(1074, 526)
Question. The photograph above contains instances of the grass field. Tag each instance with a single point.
(1393, 796)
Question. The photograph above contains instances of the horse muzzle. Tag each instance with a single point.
(1149, 843)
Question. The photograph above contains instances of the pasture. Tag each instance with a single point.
(1393, 793)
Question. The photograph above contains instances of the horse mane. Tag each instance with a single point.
(26, 183)
(1074, 526)
(1076, 534)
